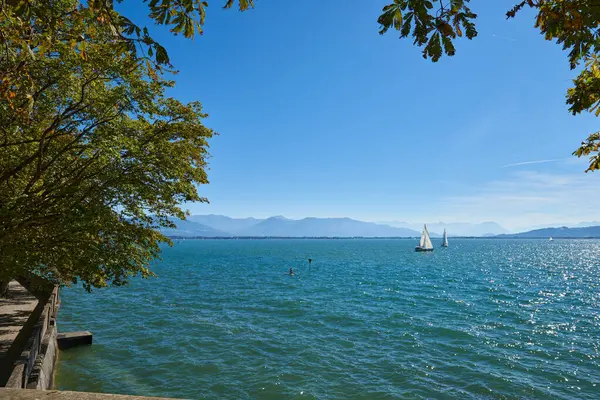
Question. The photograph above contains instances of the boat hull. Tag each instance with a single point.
(421, 249)
(444, 245)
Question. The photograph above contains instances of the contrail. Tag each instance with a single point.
(503, 37)
(529, 162)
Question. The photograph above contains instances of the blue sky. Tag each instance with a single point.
(321, 116)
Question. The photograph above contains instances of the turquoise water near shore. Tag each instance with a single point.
(369, 319)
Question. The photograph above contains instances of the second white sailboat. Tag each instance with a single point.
(445, 239)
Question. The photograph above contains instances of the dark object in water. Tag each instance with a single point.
(73, 339)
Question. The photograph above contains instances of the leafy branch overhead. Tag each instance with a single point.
(185, 17)
(431, 24)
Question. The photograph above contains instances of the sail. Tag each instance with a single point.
(426, 241)
(422, 242)
(445, 241)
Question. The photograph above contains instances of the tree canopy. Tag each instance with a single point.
(93, 155)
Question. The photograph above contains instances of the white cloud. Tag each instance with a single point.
(529, 198)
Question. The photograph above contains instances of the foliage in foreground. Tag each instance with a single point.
(93, 155)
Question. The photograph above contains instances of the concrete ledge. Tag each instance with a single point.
(28, 394)
(16, 380)
(34, 367)
(42, 373)
(72, 339)
(19, 314)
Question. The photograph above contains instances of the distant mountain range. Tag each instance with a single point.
(455, 229)
(559, 224)
(226, 224)
(222, 226)
(328, 227)
(562, 232)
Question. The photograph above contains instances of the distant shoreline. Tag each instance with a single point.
(363, 237)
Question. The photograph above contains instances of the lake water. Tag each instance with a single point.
(369, 319)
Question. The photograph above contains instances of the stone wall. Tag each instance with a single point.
(35, 367)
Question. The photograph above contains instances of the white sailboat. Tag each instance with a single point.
(550, 239)
(445, 239)
(425, 243)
